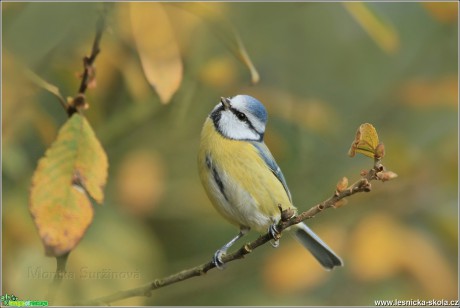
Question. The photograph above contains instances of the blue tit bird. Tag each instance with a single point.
(242, 179)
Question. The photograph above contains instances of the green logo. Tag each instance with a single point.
(12, 301)
(7, 298)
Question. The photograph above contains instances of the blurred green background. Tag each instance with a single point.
(325, 69)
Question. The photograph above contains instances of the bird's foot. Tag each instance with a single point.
(217, 259)
(275, 234)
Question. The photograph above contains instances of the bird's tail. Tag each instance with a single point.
(316, 246)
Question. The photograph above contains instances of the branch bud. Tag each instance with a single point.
(78, 102)
(386, 175)
(342, 185)
(340, 203)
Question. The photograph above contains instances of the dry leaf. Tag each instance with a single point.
(74, 164)
(157, 47)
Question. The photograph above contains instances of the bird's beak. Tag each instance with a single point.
(225, 102)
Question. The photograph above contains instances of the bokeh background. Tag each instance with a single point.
(324, 68)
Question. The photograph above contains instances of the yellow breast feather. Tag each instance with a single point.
(236, 179)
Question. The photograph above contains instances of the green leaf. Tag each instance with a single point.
(366, 141)
(74, 167)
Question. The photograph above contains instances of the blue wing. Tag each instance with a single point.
(264, 152)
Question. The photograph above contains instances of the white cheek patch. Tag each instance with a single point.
(231, 127)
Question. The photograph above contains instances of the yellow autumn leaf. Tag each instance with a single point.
(446, 12)
(75, 165)
(366, 141)
(157, 48)
(381, 31)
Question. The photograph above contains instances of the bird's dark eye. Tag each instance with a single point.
(241, 116)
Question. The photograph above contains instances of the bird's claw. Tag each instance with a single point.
(275, 234)
(217, 259)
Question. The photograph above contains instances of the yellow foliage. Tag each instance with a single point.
(135, 81)
(446, 12)
(73, 166)
(430, 93)
(140, 182)
(157, 48)
(291, 268)
(382, 248)
(375, 248)
(219, 72)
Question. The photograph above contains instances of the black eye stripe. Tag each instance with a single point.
(241, 116)
(217, 114)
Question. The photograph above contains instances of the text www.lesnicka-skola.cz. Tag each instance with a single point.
(416, 302)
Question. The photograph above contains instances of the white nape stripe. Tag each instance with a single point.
(256, 123)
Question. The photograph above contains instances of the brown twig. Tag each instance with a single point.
(89, 72)
(363, 185)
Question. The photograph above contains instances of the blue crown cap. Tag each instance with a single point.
(255, 107)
